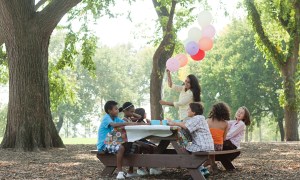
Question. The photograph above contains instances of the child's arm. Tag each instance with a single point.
(226, 130)
(125, 124)
(180, 124)
(136, 115)
(169, 79)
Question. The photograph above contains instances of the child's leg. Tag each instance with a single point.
(212, 160)
(130, 170)
(120, 155)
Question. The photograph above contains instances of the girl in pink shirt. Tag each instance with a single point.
(234, 136)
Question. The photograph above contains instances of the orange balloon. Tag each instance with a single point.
(183, 59)
(205, 44)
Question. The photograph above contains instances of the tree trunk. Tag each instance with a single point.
(160, 57)
(157, 75)
(29, 122)
(281, 128)
(260, 132)
(290, 107)
(247, 134)
(60, 122)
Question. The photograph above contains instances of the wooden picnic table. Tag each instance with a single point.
(164, 158)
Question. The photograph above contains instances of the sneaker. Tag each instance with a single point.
(205, 172)
(142, 172)
(121, 175)
(200, 169)
(130, 175)
(154, 171)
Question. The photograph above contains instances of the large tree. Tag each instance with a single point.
(277, 25)
(26, 27)
(170, 22)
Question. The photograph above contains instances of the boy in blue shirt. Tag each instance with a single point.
(110, 121)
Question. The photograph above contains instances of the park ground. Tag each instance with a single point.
(257, 161)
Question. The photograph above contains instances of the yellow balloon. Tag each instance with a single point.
(182, 73)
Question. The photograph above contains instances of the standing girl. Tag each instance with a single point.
(189, 92)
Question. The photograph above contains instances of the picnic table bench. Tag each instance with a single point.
(165, 158)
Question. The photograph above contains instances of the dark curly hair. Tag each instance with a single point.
(220, 111)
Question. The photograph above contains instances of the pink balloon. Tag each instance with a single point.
(208, 31)
(205, 44)
(183, 59)
(173, 64)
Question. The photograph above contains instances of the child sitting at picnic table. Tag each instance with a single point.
(147, 146)
(142, 113)
(198, 128)
(129, 114)
(109, 122)
(234, 136)
(218, 126)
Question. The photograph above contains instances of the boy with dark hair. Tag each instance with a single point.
(109, 122)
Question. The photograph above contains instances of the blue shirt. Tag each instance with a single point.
(105, 128)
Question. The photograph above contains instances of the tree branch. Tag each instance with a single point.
(39, 4)
(257, 25)
(284, 23)
(161, 11)
(166, 47)
(1, 38)
(54, 11)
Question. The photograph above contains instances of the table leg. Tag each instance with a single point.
(178, 149)
(162, 146)
(108, 170)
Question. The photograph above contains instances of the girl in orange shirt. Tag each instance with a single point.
(218, 126)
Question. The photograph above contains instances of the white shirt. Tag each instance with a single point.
(185, 98)
(235, 132)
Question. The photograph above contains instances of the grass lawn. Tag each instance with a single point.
(76, 140)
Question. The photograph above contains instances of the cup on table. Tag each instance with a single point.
(164, 122)
(155, 122)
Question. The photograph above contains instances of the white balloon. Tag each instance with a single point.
(194, 34)
(204, 18)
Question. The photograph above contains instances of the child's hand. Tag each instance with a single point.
(171, 123)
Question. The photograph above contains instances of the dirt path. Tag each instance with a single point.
(258, 161)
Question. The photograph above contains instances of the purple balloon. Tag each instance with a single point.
(192, 48)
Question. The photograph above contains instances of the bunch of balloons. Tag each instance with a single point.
(198, 42)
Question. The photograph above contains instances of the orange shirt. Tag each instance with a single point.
(217, 135)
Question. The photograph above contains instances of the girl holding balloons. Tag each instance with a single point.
(189, 92)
